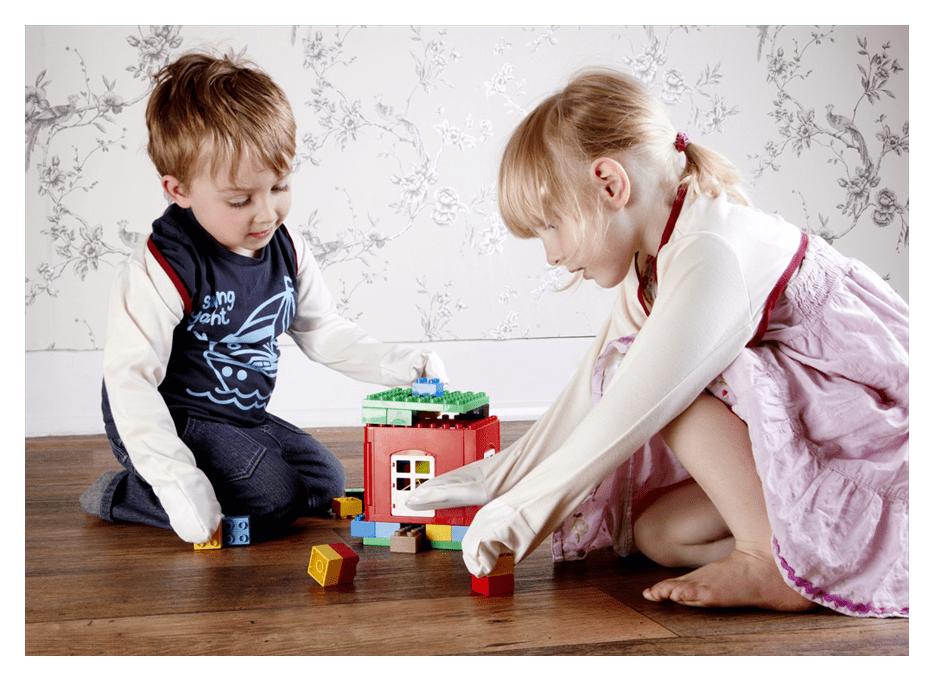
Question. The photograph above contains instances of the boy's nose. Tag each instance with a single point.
(266, 212)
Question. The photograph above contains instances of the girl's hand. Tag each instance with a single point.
(463, 486)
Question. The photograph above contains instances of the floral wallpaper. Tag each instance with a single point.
(400, 132)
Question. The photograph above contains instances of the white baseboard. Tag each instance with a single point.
(522, 377)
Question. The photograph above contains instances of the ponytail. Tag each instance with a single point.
(708, 173)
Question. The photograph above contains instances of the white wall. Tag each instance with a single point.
(400, 131)
(63, 388)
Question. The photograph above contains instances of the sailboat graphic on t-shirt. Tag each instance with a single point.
(252, 349)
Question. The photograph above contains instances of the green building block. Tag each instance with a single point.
(376, 541)
(395, 406)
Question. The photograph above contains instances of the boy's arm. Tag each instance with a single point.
(326, 337)
(144, 311)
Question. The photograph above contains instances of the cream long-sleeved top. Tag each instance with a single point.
(720, 265)
(144, 309)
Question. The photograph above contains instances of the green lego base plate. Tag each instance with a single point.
(395, 406)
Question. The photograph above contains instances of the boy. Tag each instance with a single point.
(191, 354)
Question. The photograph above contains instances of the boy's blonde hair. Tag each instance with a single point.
(545, 170)
(207, 110)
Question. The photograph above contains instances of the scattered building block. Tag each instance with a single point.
(501, 579)
(236, 530)
(332, 564)
(408, 539)
(215, 542)
(493, 586)
(346, 507)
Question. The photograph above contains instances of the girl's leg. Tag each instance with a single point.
(713, 445)
(679, 527)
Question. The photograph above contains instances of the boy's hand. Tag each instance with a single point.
(193, 510)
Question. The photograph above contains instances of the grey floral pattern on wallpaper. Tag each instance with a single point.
(400, 129)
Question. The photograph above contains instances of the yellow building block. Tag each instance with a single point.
(332, 564)
(347, 507)
(215, 542)
(438, 532)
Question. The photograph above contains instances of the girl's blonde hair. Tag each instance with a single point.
(207, 110)
(544, 174)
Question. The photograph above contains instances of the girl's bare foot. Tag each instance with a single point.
(744, 578)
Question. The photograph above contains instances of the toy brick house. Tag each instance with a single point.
(412, 436)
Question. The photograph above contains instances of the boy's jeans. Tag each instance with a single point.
(274, 473)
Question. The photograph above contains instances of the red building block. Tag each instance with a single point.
(494, 585)
(332, 564)
(397, 459)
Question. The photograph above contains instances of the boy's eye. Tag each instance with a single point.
(239, 204)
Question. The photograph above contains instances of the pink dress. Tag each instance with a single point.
(824, 394)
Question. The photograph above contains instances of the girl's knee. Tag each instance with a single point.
(654, 538)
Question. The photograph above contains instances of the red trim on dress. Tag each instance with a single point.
(179, 286)
(650, 275)
(778, 290)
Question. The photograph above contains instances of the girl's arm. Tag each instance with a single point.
(700, 322)
(326, 337)
(144, 310)
(482, 481)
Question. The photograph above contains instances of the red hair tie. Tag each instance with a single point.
(682, 141)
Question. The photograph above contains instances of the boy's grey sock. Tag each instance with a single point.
(98, 498)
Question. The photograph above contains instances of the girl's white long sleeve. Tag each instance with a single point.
(711, 297)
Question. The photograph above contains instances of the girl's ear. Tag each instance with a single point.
(613, 180)
(175, 191)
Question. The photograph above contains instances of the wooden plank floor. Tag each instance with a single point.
(96, 588)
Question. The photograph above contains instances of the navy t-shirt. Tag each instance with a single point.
(225, 355)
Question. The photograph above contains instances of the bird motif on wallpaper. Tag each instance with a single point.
(845, 125)
(54, 115)
(129, 239)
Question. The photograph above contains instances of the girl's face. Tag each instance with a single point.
(604, 258)
(242, 214)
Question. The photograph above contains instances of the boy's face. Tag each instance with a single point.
(243, 214)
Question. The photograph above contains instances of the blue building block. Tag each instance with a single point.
(433, 387)
(386, 530)
(359, 527)
(458, 532)
(236, 530)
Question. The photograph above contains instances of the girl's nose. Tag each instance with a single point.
(552, 256)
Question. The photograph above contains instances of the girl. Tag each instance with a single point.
(744, 409)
